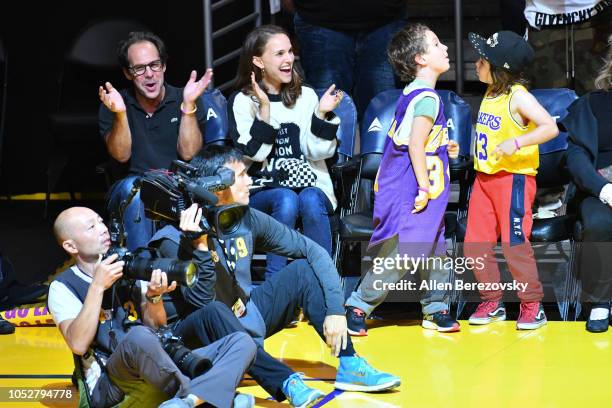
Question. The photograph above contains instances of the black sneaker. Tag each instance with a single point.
(440, 321)
(599, 318)
(6, 327)
(356, 321)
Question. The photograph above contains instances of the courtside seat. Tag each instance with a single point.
(552, 171)
(215, 105)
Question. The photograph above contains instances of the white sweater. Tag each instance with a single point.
(294, 136)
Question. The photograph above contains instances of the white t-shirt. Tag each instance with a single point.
(542, 13)
(64, 305)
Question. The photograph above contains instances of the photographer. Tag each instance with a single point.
(110, 323)
(310, 282)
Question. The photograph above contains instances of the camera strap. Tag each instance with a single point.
(231, 256)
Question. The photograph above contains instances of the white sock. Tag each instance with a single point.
(599, 313)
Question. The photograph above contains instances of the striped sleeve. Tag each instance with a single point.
(252, 136)
(320, 142)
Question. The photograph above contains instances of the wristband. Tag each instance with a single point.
(193, 235)
(154, 299)
(425, 189)
(191, 111)
(516, 143)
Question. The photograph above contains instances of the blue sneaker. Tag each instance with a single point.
(355, 374)
(299, 394)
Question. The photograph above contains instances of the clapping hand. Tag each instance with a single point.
(194, 89)
(261, 96)
(111, 98)
(329, 100)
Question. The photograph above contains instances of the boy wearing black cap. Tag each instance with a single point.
(510, 126)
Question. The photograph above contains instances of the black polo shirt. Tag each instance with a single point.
(154, 138)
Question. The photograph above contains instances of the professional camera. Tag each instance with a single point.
(141, 263)
(166, 193)
(187, 361)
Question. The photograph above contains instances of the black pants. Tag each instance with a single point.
(596, 251)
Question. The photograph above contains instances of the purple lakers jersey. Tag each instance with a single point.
(396, 187)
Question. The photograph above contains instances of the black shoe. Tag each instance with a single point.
(6, 327)
(356, 321)
(440, 321)
(599, 318)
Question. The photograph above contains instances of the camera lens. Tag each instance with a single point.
(183, 272)
(228, 220)
(186, 360)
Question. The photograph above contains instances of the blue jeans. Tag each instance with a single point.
(137, 227)
(355, 61)
(294, 286)
(366, 297)
(285, 205)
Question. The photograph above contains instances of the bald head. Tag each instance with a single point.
(82, 233)
(67, 220)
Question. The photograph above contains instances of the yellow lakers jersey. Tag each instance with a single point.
(495, 124)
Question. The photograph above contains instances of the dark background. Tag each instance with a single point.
(38, 35)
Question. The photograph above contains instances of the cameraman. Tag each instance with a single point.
(116, 339)
(224, 273)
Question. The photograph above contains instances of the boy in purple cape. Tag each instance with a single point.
(412, 186)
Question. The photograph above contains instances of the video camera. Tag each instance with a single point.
(166, 193)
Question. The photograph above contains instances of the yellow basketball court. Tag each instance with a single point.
(559, 365)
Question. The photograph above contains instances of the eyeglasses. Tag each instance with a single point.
(155, 66)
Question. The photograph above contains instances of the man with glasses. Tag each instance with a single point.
(148, 125)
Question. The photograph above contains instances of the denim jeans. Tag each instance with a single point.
(137, 227)
(285, 205)
(355, 61)
(294, 286)
(366, 297)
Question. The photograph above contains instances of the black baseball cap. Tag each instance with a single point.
(504, 49)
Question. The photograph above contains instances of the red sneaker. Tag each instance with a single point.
(531, 316)
(488, 312)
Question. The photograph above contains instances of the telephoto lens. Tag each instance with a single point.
(186, 360)
(183, 272)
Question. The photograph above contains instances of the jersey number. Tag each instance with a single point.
(435, 171)
(482, 151)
